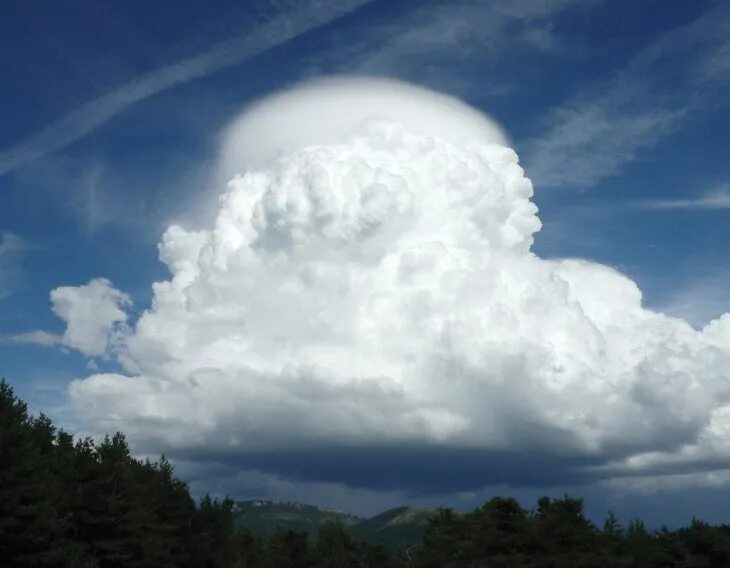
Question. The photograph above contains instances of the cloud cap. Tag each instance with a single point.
(326, 111)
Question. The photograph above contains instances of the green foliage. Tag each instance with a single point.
(68, 503)
(395, 529)
(265, 518)
(33, 528)
(288, 549)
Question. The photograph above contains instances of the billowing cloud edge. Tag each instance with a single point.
(372, 288)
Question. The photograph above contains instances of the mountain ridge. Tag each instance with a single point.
(395, 528)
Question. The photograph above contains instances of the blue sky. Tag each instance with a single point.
(112, 113)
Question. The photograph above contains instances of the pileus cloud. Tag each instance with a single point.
(369, 284)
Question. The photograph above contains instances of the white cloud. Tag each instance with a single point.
(595, 134)
(379, 290)
(94, 316)
(37, 337)
(713, 200)
(324, 110)
(295, 21)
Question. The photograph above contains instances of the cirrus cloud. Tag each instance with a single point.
(11, 245)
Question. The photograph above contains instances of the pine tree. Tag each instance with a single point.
(334, 548)
(248, 550)
(288, 549)
(214, 530)
(443, 541)
(32, 531)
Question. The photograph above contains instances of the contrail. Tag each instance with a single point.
(231, 52)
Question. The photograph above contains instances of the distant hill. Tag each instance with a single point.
(396, 528)
(265, 517)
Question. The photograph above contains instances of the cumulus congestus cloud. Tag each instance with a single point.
(368, 289)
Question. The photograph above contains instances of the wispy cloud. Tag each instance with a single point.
(591, 142)
(714, 200)
(702, 298)
(95, 200)
(79, 123)
(11, 246)
(37, 337)
(448, 44)
(593, 135)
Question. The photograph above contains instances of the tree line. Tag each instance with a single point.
(74, 503)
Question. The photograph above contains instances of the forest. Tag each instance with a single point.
(75, 503)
